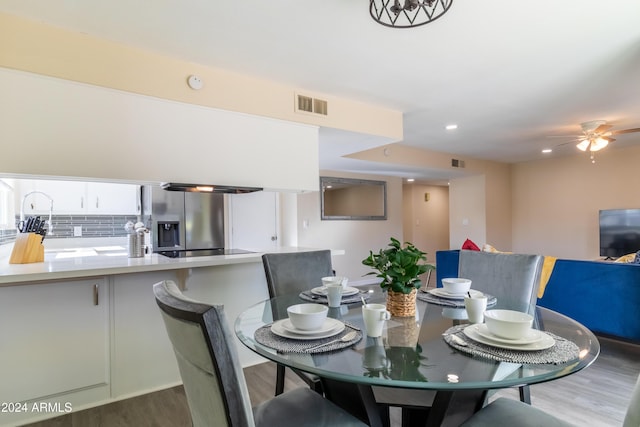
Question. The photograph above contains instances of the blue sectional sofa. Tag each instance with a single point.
(603, 296)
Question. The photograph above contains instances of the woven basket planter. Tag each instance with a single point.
(401, 305)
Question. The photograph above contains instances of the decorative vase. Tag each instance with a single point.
(400, 304)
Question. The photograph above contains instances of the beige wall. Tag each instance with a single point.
(356, 238)
(467, 210)
(42, 49)
(426, 223)
(498, 205)
(556, 201)
(220, 134)
(83, 131)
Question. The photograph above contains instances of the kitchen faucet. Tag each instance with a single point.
(24, 198)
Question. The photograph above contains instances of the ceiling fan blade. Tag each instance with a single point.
(618, 132)
(602, 128)
(573, 141)
(565, 136)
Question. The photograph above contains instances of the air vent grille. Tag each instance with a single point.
(320, 106)
(455, 163)
(308, 104)
(305, 103)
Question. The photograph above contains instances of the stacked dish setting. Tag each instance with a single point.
(307, 322)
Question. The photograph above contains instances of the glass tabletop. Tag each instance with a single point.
(412, 352)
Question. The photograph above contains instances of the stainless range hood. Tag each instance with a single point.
(202, 188)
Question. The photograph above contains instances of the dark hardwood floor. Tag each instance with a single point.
(596, 397)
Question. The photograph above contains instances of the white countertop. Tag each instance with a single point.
(88, 262)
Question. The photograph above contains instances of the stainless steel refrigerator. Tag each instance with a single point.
(183, 221)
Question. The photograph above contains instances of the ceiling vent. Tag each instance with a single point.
(455, 163)
(307, 104)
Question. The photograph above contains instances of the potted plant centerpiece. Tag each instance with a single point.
(399, 266)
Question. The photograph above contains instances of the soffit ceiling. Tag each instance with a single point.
(508, 73)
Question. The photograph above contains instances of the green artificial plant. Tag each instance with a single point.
(399, 266)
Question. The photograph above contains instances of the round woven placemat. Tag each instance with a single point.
(322, 299)
(286, 345)
(562, 351)
(448, 302)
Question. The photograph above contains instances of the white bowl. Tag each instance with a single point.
(307, 317)
(456, 285)
(329, 280)
(508, 324)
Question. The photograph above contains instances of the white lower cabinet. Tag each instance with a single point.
(143, 358)
(54, 341)
(59, 348)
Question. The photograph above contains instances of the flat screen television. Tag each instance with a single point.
(619, 232)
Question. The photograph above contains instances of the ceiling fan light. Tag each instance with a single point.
(583, 145)
(599, 144)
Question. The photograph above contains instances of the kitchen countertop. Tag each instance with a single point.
(91, 262)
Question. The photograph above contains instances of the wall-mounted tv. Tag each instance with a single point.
(619, 232)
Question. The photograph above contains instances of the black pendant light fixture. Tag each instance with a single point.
(413, 13)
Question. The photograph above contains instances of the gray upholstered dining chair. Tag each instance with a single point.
(509, 412)
(213, 379)
(512, 278)
(509, 277)
(296, 272)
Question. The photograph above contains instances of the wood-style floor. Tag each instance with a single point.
(596, 397)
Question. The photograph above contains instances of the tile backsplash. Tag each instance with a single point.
(64, 227)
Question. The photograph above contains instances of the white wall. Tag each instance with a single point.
(77, 130)
(356, 238)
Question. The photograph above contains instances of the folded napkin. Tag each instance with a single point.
(286, 345)
(322, 299)
(448, 302)
(561, 352)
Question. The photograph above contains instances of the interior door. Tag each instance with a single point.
(254, 220)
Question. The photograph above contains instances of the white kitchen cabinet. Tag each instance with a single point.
(54, 339)
(113, 199)
(67, 197)
(77, 198)
(143, 359)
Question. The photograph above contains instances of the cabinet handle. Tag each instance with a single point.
(81, 202)
(97, 202)
(96, 293)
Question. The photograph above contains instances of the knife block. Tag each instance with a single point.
(27, 249)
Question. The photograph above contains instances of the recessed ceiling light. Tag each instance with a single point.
(410, 179)
(451, 127)
(547, 150)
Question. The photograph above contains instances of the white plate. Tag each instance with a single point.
(534, 335)
(277, 329)
(328, 325)
(544, 343)
(321, 290)
(441, 293)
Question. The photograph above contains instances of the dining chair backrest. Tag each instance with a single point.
(632, 417)
(512, 278)
(505, 411)
(213, 380)
(296, 271)
(292, 272)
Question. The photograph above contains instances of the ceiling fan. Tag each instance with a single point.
(596, 135)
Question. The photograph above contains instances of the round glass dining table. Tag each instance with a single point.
(412, 353)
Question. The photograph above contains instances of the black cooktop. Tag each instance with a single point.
(203, 252)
